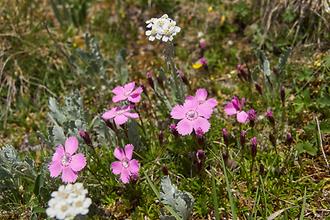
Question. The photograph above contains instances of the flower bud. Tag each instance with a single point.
(270, 117)
(258, 88)
(173, 130)
(202, 44)
(183, 77)
(289, 139)
(254, 147)
(150, 80)
(282, 95)
(252, 116)
(225, 135)
(200, 136)
(165, 170)
(200, 155)
(242, 138)
(242, 72)
(85, 136)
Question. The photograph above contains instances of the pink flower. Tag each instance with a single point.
(234, 107)
(192, 116)
(120, 114)
(127, 92)
(200, 96)
(65, 161)
(126, 167)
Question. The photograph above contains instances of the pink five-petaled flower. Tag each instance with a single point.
(201, 97)
(126, 167)
(120, 114)
(234, 107)
(65, 161)
(127, 92)
(192, 116)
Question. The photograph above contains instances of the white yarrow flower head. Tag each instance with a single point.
(163, 28)
(68, 201)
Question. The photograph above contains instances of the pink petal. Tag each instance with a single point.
(68, 175)
(201, 94)
(129, 151)
(119, 153)
(242, 117)
(230, 109)
(78, 162)
(55, 168)
(71, 145)
(190, 97)
(135, 98)
(134, 166)
(120, 119)
(125, 176)
(118, 98)
(131, 115)
(204, 110)
(190, 104)
(59, 153)
(212, 102)
(116, 167)
(109, 114)
(178, 112)
(129, 87)
(118, 90)
(184, 127)
(202, 123)
(137, 91)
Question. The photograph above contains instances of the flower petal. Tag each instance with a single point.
(212, 102)
(242, 117)
(129, 87)
(178, 112)
(118, 90)
(120, 119)
(230, 109)
(184, 127)
(116, 167)
(201, 94)
(202, 123)
(125, 176)
(78, 162)
(204, 110)
(109, 114)
(55, 168)
(129, 151)
(59, 153)
(119, 153)
(68, 175)
(131, 115)
(134, 166)
(71, 145)
(118, 98)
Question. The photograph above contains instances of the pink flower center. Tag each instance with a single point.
(125, 164)
(191, 115)
(66, 159)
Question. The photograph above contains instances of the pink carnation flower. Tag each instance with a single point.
(127, 92)
(201, 97)
(234, 107)
(192, 116)
(120, 114)
(125, 167)
(65, 161)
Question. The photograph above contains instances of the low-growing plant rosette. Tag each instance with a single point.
(194, 113)
(126, 167)
(65, 161)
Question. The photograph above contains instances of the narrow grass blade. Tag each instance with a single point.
(303, 207)
(215, 199)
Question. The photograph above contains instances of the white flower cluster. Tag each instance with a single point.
(69, 201)
(163, 28)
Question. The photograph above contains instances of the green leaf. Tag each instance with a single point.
(306, 147)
